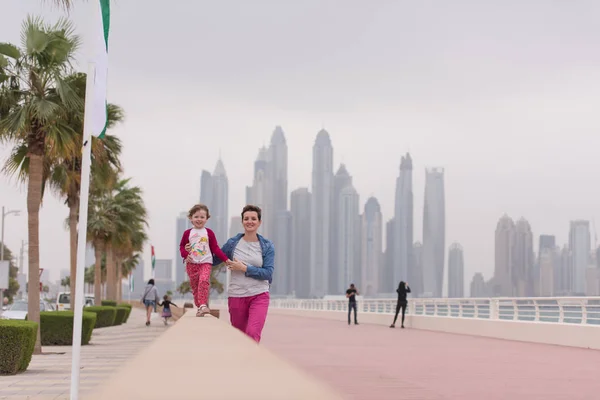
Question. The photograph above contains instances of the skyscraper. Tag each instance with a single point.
(565, 274)
(546, 261)
(478, 286)
(523, 277)
(504, 248)
(580, 246)
(235, 226)
(341, 180)
(372, 246)
(214, 193)
(282, 240)
(348, 245)
(280, 229)
(456, 270)
(163, 276)
(258, 193)
(300, 202)
(416, 285)
(434, 233)
(278, 176)
(322, 186)
(181, 225)
(386, 281)
(403, 215)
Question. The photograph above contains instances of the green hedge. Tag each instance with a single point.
(57, 327)
(105, 316)
(17, 340)
(129, 307)
(121, 315)
(109, 303)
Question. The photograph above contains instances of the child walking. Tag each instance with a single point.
(166, 305)
(197, 247)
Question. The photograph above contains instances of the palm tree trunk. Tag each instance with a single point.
(98, 252)
(111, 274)
(73, 211)
(119, 280)
(34, 199)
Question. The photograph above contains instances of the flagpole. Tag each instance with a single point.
(86, 162)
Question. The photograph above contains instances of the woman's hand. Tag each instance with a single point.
(236, 265)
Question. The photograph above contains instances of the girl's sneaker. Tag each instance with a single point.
(202, 311)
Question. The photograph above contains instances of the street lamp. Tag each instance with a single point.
(4, 214)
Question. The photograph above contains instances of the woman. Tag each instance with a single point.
(251, 263)
(149, 299)
(402, 291)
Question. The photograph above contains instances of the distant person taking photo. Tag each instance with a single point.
(403, 290)
(351, 294)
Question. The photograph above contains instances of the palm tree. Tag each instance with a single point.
(116, 225)
(100, 223)
(34, 101)
(65, 177)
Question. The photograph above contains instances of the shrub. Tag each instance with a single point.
(121, 315)
(17, 340)
(109, 303)
(129, 307)
(57, 327)
(105, 316)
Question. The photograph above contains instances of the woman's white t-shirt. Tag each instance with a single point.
(250, 253)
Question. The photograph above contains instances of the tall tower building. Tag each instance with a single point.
(565, 274)
(580, 246)
(403, 215)
(523, 277)
(181, 225)
(386, 281)
(504, 248)
(372, 246)
(341, 180)
(456, 271)
(434, 233)
(322, 188)
(300, 202)
(348, 246)
(219, 210)
(546, 261)
(214, 193)
(416, 285)
(258, 193)
(280, 227)
(478, 286)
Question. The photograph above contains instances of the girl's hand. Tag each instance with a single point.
(188, 259)
(188, 247)
(236, 265)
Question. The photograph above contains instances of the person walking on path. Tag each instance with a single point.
(166, 305)
(403, 290)
(198, 247)
(351, 294)
(150, 299)
(252, 265)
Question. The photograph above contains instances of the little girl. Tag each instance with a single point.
(197, 247)
(166, 305)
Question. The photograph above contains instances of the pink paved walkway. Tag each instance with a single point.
(374, 362)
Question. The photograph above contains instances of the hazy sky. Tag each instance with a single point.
(503, 94)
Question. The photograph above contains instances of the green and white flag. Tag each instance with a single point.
(100, 59)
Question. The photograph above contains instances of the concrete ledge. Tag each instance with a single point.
(572, 335)
(206, 358)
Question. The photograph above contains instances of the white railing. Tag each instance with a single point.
(569, 310)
